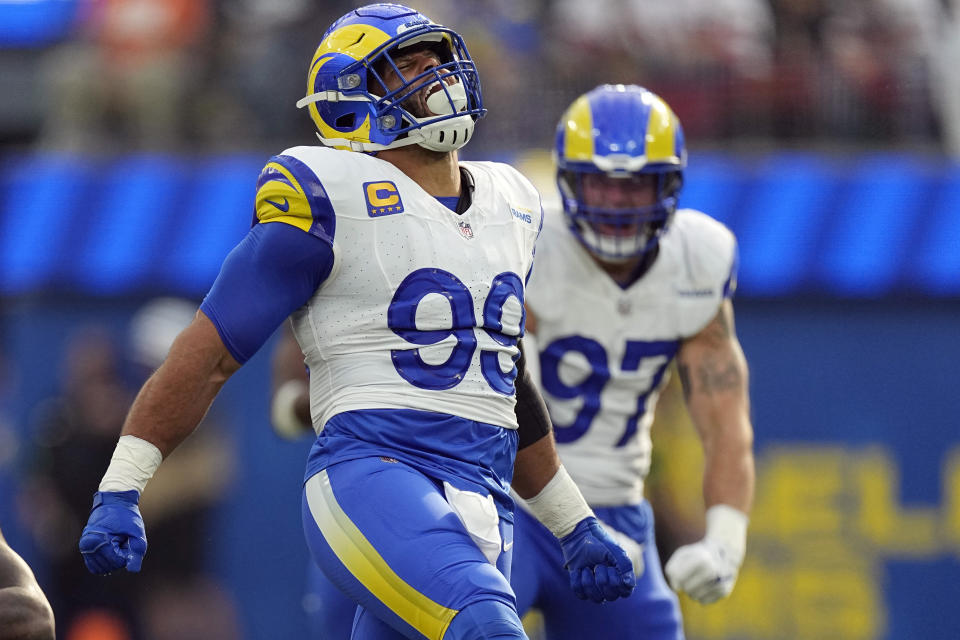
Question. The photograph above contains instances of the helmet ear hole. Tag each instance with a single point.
(345, 122)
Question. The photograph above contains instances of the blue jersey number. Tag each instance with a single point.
(402, 315)
(590, 388)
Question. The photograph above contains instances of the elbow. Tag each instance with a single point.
(742, 434)
(225, 367)
(30, 619)
(43, 628)
(727, 433)
(43, 624)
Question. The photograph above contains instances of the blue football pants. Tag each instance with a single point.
(385, 536)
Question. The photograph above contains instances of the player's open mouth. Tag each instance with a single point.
(442, 101)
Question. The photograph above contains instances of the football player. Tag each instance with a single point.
(25, 613)
(625, 284)
(404, 272)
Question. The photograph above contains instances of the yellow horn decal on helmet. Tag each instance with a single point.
(661, 140)
(578, 134)
(354, 40)
(360, 134)
(319, 59)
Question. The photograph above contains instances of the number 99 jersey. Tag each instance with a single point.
(604, 349)
(423, 308)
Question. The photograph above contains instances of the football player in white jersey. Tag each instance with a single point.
(404, 271)
(624, 284)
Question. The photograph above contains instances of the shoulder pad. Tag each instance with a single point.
(710, 248)
(289, 191)
(516, 188)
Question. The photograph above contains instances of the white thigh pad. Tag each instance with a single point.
(478, 513)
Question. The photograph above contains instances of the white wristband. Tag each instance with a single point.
(133, 463)
(283, 410)
(559, 506)
(728, 526)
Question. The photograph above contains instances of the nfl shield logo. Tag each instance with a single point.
(465, 230)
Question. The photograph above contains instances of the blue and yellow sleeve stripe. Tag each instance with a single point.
(289, 192)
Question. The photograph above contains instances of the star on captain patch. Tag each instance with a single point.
(465, 230)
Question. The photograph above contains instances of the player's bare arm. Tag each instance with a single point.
(537, 460)
(25, 613)
(176, 397)
(713, 371)
(273, 270)
(167, 409)
(535, 466)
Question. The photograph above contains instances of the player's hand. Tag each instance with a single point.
(631, 547)
(705, 570)
(114, 537)
(599, 569)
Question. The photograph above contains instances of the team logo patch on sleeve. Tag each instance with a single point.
(383, 198)
(522, 214)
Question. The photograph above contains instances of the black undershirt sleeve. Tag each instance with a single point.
(532, 415)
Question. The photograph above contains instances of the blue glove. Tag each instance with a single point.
(599, 569)
(114, 537)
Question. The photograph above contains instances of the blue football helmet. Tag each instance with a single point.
(350, 103)
(621, 132)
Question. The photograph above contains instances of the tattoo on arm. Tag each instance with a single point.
(717, 370)
(721, 327)
(716, 376)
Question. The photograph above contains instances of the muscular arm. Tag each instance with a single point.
(537, 460)
(272, 272)
(25, 613)
(535, 467)
(177, 396)
(714, 375)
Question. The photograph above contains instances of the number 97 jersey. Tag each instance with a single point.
(604, 349)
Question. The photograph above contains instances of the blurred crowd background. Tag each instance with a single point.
(202, 75)
(825, 133)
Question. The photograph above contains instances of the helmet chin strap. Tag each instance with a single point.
(453, 133)
(446, 135)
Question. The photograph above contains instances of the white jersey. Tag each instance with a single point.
(604, 350)
(423, 307)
